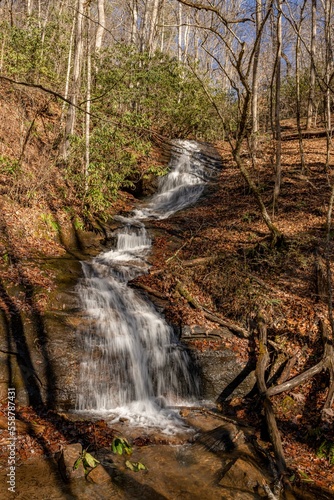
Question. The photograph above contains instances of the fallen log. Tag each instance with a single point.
(149, 290)
(241, 332)
(197, 262)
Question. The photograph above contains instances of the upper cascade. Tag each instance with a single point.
(189, 171)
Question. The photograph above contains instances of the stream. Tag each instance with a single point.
(135, 367)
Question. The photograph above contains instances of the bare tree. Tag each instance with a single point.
(328, 67)
(278, 137)
(100, 26)
(241, 80)
(255, 83)
(88, 95)
(76, 76)
(311, 104)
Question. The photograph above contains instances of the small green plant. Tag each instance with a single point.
(304, 477)
(247, 217)
(88, 461)
(135, 466)
(120, 446)
(8, 166)
(326, 450)
(78, 224)
(6, 258)
(50, 222)
(158, 170)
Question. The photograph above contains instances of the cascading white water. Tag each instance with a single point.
(135, 365)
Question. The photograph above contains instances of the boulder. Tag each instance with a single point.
(223, 374)
(66, 460)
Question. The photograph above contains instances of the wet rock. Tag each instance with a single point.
(98, 475)
(244, 478)
(66, 460)
(223, 375)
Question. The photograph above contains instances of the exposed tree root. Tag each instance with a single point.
(261, 366)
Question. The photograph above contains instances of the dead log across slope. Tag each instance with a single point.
(241, 332)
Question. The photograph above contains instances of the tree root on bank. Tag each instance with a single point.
(327, 362)
(261, 366)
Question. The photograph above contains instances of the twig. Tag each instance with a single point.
(179, 249)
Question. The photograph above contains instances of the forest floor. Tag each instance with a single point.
(240, 276)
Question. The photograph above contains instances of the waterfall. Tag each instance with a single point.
(134, 364)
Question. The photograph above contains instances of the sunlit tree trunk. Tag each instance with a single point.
(153, 26)
(88, 100)
(76, 75)
(311, 104)
(328, 64)
(278, 164)
(29, 7)
(134, 22)
(255, 115)
(101, 17)
(69, 63)
(179, 33)
(149, 27)
(298, 105)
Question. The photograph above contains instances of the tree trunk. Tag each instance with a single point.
(328, 115)
(255, 116)
(261, 366)
(311, 104)
(179, 33)
(156, 5)
(77, 64)
(278, 165)
(134, 22)
(29, 8)
(298, 98)
(101, 26)
(88, 99)
(68, 72)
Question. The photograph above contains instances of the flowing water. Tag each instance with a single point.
(135, 366)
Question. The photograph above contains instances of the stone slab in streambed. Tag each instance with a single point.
(99, 475)
(243, 480)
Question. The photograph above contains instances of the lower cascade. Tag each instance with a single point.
(135, 367)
